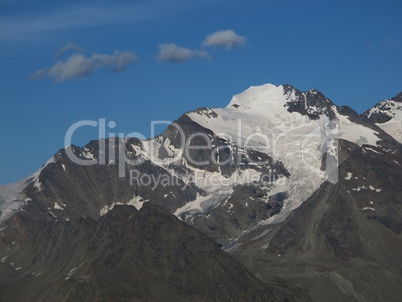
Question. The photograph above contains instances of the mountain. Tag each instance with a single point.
(344, 242)
(127, 255)
(304, 193)
(387, 115)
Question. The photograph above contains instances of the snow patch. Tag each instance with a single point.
(87, 154)
(37, 184)
(70, 273)
(358, 189)
(370, 187)
(35, 177)
(204, 204)
(356, 133)
(136, 202)
(51, 213)
(372, 150)
(57, 206)
(12, 199)
(368, 209)
(265, 246)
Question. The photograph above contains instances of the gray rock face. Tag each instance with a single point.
(127, 255)
(246, 205)
(68, 190)
(344, 242)
(311, 103)
(382, 111)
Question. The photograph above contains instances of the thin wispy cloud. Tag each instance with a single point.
(78, 66)
(177, 54)
(67, 48)
(22, 26)
(389, 41)
(224, 38)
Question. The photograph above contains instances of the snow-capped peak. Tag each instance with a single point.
(284, 123)
(261, 99)
(297, 128)
(387, 115)
(269, 100)
(385, 110)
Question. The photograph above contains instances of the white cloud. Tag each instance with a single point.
(78, 66)
(66, 48)
(176, 54)
(224, 38)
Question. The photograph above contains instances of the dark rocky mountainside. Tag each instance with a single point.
(344, 243)
(127, 255)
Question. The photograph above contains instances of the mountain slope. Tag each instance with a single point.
(279, 177)
(344, 242)
(226, 171)
(127, 255)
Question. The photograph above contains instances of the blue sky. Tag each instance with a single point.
(138, 61)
